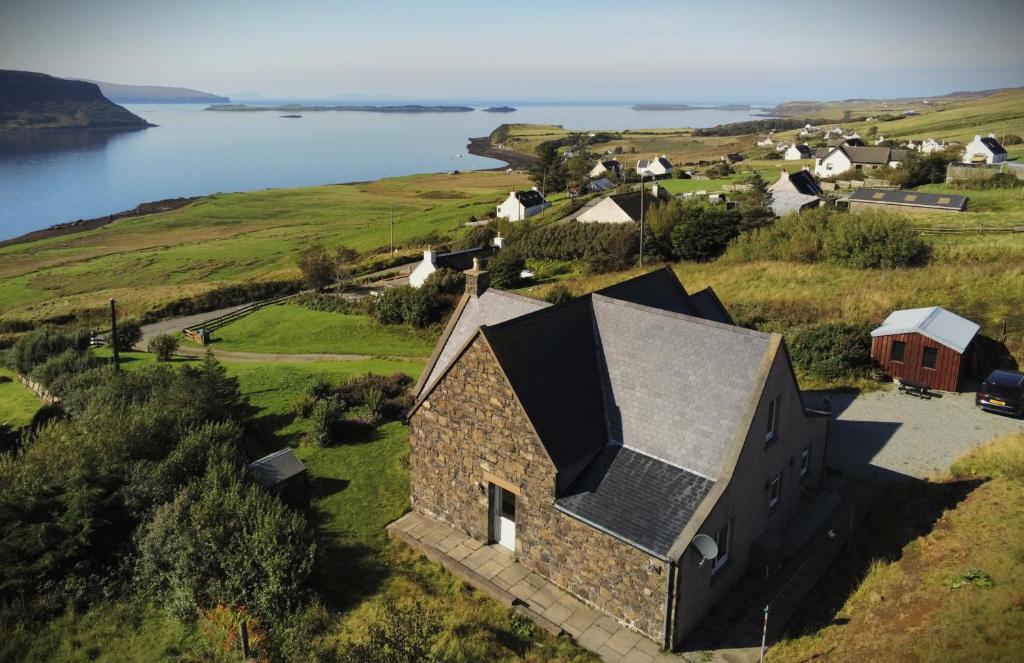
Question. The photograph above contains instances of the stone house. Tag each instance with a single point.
(597, 438)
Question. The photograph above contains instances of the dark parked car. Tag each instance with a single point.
(1003, 392)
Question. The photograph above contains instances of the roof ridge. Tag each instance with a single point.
(516, 296)
(686, 318)
(647, 454)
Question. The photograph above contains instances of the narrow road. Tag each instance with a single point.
(175, 325)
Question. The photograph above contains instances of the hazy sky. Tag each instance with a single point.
(683, 51)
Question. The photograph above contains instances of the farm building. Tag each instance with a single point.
(984, 149)
(594, 441)
(284, 474)
(929, 346)
(522, 205)
(896, 200)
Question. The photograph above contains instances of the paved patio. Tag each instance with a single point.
(492, 569)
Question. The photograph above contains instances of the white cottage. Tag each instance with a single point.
(849, 157)
(658, 167)
(522, 205)
(984, 150)
(931, 145)
(794, 192)
(796, 152)
(623, 207)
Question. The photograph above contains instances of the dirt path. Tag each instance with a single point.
(175, 325)
(235, 355)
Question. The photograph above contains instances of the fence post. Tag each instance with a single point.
(243, 632)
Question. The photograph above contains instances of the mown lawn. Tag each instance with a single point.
(297, 329)
(17, 403)
(952, 590)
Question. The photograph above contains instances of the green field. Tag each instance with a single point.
(296, 329)
(233, 238)
(17, 403)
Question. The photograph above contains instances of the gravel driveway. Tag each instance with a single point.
(886, 435)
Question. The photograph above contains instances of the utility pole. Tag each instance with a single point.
(764, 633)
(641, 220)
(392, 229)
(113, 333)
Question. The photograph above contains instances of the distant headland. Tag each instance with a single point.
(683, 107)
(299, 108)
(33, 101)
(499, 109)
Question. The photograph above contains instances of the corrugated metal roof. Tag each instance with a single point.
(276, 467)
(910, 198)
(934, 322)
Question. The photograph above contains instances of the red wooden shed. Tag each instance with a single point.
(930, 346)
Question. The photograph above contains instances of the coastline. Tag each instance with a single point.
(482, 147)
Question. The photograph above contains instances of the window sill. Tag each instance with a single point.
(716, 571)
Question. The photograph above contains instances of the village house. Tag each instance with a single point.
(931, 145)
(458, 261)
(659, 167)
(632, 446)
(522, 205)
(929, 346)
(848, 157)
(796, 152)
(599, 185)
(766, 142)
(794, 192)
(603, 167)
(895, 200)
(623, 207)
(732, 157)
(984, 149)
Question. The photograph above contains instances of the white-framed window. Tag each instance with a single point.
(774, 491)
(805, 462)
(773, 419)
(723, 538)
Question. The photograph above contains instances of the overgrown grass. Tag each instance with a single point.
(296, 329)
(948, 592)
(17, 403)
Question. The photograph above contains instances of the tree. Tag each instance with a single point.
(163, 346)
(317, 267)
(344, 263)
(756, 204)
(579, 166)
(549, 172)
(704, 234)
(505, 268)
(129, 332)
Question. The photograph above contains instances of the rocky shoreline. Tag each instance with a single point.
(482, 147)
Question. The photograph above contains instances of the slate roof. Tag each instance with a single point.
(630, 203)
(635, 497)
(993, 144)
(910, 198)
(611, 164)
(530, 198)
(707, 305)
(934, 322)
(805, 151)
(460, 261)
(664, 162)
(805, 183)
(276, 467)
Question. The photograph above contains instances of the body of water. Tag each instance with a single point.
(54, 177)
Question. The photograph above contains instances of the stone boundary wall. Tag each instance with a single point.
(38, 389)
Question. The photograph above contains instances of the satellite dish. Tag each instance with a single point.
(706, 546)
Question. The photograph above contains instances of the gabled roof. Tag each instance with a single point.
(910, 198)
(642, 163)
(805, 151)
(993, 145)
(530, 198)
(805, 183)
(665, 163)
(630, 202)
(934, 322)
(611, 164)
(276, 467)
(462, 260)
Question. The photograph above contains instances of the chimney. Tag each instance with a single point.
(498, 242)
(991, 135)
(430, 255)
(477, 279)
(536, 189)
(977, 137)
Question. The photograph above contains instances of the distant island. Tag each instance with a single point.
(683, 107)
(154, 94)
(298, 108)
(499, 109)
(33, 101)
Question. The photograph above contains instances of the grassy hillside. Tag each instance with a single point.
(232, 238)
(296, 329)
(953, 593)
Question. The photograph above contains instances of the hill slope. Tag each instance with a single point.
(154, 94)
(30, 100)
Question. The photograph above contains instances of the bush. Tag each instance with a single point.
(324, 419)
(831, 351)
(558, 295)
(403, 634)
(317, 267)
(1000, 181)
(505, 268)
(56, 370)
(705, 233)
(163, 346)
(129, 332)
(566, 241)
(37, 346)
(405, 304)
(1012, 139)
(718, 170)
(476, 237)
(867, 240)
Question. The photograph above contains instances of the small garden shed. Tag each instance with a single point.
(283, 473)
(930, 346)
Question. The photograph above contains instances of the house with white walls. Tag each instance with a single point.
(522, 205)
(794, 192)
(457, 261)
(657, 167)
(796, 152)
(604, 167)
(984, 149)
(931, 145)
(848, 157)
(624, 207)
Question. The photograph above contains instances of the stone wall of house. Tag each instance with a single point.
(472, 431)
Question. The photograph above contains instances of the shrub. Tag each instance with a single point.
(324, 419)
(505, 268)
(476, 237)
(868, 240)
(558, 294)
(163, 346)
(403, 634)
(389, 309)
(129, 332)
(1000, 181)
(317, 267)
(831, 351)
(37, 346)
(795, 237)
(303, 405)
(705, 234)
(405, 304)
(718, 170)
(565, 241)
(56, 370)
(1012, 139)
